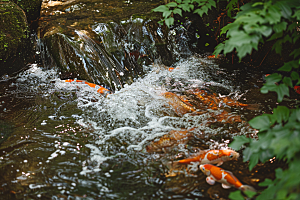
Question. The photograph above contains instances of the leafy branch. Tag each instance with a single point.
(198, 6)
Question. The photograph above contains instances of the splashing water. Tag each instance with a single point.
(92, 146)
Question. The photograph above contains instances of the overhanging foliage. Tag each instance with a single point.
(279, 133)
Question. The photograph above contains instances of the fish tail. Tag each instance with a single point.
(247, 188)
(188, 160)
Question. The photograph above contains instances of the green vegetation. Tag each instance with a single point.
(13, 29)
(279, 133)
(31, 8)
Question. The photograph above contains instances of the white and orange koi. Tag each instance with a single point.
(227, 179)
(99, 89)
(211, 157)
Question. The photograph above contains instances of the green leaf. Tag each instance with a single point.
(239, 38)
(250, 18)
(199, 11)
(170, 21)
(275, 36)
(297, 111)
(250, 194)
(267, 182)
(178, 1)
(296, 53)
(171, 4)
(238, 142)
(253, 160)
(282, 90)
(279, 173)
(230, 26)
(266, 155)
(278, 46)
(167, 13)
(287, 38)
(212, 3)
(273, 78)
(257, 4)
(243, 50)
(218, 49)
(288, 81)
(285, 9)
(236, 195)
(281, 113)
(289, 65)
(177, 11)
(280, 145)
(205, 9)
(161, 8)
(297, 14)
(228, 48)
(280, 27)
(268, 193)
(247, 154)
(294, 75)
(281, 194)
(273, 15)
(185, 7)
(260, 122)
(266, 30)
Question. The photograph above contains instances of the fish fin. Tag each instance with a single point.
(188, 160)
(247, 188)
(193, 158)
(225, 186)
(210, 180)
(220, 163)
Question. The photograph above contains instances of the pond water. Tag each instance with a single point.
(62, 140)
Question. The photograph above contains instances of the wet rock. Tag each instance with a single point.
(13, 34)
(106, 43)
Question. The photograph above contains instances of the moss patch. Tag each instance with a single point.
(13, 29)
(31, 8)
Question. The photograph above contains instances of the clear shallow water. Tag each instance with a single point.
(65, 141)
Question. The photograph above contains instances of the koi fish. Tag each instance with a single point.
(220, 175)
(180, 106)
(99, 89)
(171, 69)
(172, 138)
(211, 157)
(213, 102)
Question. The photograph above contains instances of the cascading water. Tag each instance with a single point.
(84, 145)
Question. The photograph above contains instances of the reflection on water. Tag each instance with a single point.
(65, 141)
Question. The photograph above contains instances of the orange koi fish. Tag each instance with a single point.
(227, 179)
(100, 89)
(180, 107)
(211, 157)
(213, 102)
(172, 138)
(171, 69)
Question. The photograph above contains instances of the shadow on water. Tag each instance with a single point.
(63, 140)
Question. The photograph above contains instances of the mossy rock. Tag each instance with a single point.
(32, 8)
(13, 29)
